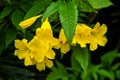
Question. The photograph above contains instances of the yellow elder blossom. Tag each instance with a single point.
(41, 65)
(43, 42)
(97, 36)
(84, 35)
(23, 52)
(45, 34)
(63, 43)
(81, 35)
(28, 22)
(40, 49)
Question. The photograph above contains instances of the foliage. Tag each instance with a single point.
(62, 14)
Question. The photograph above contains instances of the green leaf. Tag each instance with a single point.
(81, 55)
(51, 9)
(17, 17)
(16, 72)
(10, 36)
(98, 4)
(118, 74)
(74, 63)
(108, 57)
(68, 17)
(84, 6)
(115, 66)
(107, 74)
(6, 11)
(58, 73)
(2, 41)
(38, 7)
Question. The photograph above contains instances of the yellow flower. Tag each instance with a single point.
(23, 52)
(45, 34)
(43, 42)
(28, 22)
(97, 36)
(41, 65)
(63, 43)
(40, 49)
(81, 35)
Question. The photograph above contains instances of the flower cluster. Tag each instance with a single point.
(39, 51)
(85, 35)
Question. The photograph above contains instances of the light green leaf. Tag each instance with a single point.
(98, 4)
(10, 36)
(51, 9)
(38, 6)
(17, 17)
(81, 55)
(6, 11)
(68, 17)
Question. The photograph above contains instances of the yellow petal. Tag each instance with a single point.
(28, 60)
(46, 25)
(62, 37)
(97, 25)
(102, 40)
(40, 66)
(65, 48)
(102, 29)
(28, 22)
(49, 63)
(50, 54)
(93, 46)
(21, 53)
(20, 44)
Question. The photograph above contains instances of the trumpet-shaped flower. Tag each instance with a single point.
(28, 22)
(43, 42)
(63, 43)
(97, 36)
(23, 52)
(40, 49)
(81, 35)
(45, 34)
(42, 65)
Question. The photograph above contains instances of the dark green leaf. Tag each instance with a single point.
(108, 57)
(6, 11)
(115, 66)
(61, 68)
(98, 4)
(54, 75)
(17, 17)
(75, 65)
(51, 9)
(11, 70)
(118, 74)
(2, 41)
(84, 6)
(38, 6)
(107, 74)
(81, 55)
(58, 73)
(10, 36)
(68, 17)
